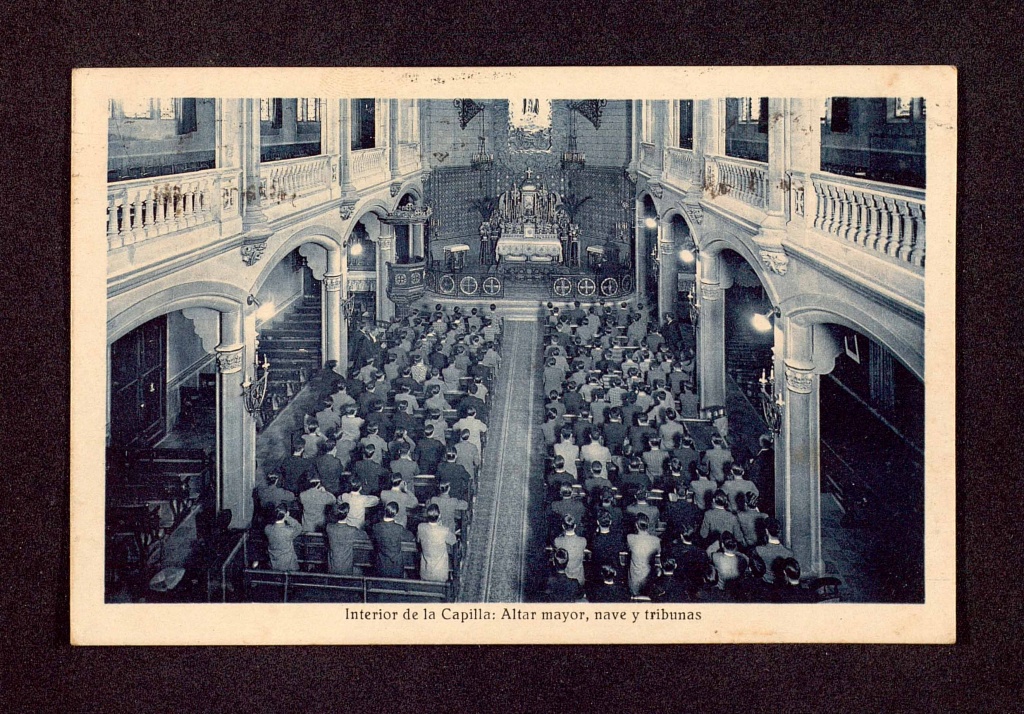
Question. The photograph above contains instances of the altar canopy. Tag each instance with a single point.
(529, 223)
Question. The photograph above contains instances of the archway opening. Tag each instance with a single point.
(289, 326)
(647, 251)
(361, 258)
(749, 337)
(680, 264)
(872, 465)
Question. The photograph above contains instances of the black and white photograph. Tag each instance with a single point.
(514, 355)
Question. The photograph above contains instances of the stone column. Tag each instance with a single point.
(641, 252)
(634, 144)
(797, 455)
(253, 218)
(393, 138)
(348, 189)
(803, 141)
(335, 337)
(236, 428)
(385, 241)
(711, 333)
(668, 270)
(777, 153)
(416, 239)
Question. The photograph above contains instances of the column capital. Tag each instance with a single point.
(230, 358)
(710, 291)
(332, 283)
(799, 380)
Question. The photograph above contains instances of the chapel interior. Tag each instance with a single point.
(736, 275)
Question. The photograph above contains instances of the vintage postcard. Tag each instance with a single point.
(513, 355)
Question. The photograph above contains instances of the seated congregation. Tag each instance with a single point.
(381, 480)
(648, 499)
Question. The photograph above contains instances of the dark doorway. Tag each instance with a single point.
(138, 382)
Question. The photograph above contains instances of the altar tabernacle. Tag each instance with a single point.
(531, 225)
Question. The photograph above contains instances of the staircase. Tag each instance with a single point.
(291, 341)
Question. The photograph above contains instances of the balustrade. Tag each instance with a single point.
(369, 163)
(137, 210)
(681, 164)
(885, 218)
(649, 156)
(408, 157)
(746, 181)
(294, 178)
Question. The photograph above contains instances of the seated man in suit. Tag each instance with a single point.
(328, 467)
(467, 454)
(435, 539)
(294, 469)
(574, 545)
(399, 494)
(358, 502)
(667, 587)
(608, 588)
(281, 535)
(429, 450)
(404, 465)
(449, 506)
(271, 495)
(314, 500)
(559, 587)
(455, 474)
(716, 458)
(342, 537)
(388, 537)
(369, 472)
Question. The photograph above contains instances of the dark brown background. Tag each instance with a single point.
(45, 40)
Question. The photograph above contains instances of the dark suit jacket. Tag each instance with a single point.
(294, 470)
(330, 470)
(431, 452)
(341, 538)
(458, 476)
(371, 473)
(388, 537)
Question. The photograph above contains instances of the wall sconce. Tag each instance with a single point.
(772, 403)
(762, 322)
(691, 301)
(255, 392)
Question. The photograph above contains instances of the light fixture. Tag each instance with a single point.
(481, 160)
(762, 322)
(255, 392)
(687, 256)
(264, 311)
(771, 402)
(650, 223)
(356, 249)
(691, 300)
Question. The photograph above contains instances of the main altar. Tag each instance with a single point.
(530, 226)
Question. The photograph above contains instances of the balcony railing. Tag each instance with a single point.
(369, 164)
(682, 165)
(746, 181)
(145, 208)
(885, 218)
(294, 178)
(408, 157)
(649, 156)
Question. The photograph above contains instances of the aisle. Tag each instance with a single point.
(496, 567)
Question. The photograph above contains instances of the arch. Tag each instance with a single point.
(713, 244)
(411, 188)
(222, 297)
(374, 205)
(818, 308)
(674, 211)
(321, 235)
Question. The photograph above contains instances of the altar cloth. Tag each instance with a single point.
(529, 247)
